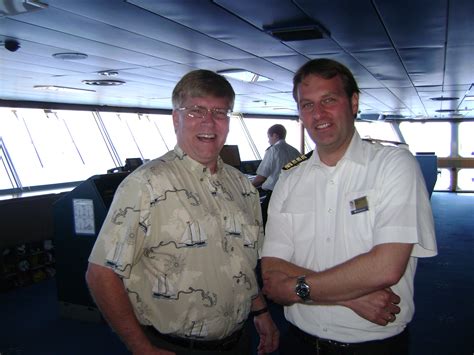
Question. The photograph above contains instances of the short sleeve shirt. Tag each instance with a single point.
(186, 244)
(320, 217)
(274, 159)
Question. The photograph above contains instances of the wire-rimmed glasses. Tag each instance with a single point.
(200, 112)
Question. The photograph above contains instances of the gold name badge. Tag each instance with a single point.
(359, 205)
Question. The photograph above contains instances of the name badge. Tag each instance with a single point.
(359, 205)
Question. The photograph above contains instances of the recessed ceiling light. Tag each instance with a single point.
(243, 75)
(469, 98)
(108, 73)
(59, 88)
(70, 56)
(103, 82)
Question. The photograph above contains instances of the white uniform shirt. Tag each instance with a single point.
(320, 217)
(274, 159)
(185, 242)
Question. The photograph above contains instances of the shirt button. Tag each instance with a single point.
(325, 329)
(331, 182)
(330, 210)
(328, 239)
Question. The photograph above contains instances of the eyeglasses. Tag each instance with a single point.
(200, 112)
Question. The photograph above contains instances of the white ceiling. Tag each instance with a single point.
(402, 52)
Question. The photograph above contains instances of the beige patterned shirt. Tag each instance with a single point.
(185, 243)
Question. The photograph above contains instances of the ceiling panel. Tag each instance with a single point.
(402, 53)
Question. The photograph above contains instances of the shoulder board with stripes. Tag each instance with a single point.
(297, 161)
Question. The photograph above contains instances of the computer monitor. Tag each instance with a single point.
(230, 155)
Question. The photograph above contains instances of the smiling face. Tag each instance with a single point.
(328, 115)
(202, 139)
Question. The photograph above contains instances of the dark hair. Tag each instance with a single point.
(328, 69)
(279, 130)
(202, 83)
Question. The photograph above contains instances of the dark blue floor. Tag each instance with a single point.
(30, 322)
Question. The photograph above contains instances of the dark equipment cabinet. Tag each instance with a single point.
(78, 217)
(429, 167)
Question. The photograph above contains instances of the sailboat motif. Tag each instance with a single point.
(233, 226)
(197, 330)
(194, 236)
(250, 234)
(162, 288)
(114, 256)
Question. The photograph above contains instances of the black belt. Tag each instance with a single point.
(225, 344)
(332, 346)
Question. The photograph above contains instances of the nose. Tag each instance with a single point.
(318, 109)
(208, 117)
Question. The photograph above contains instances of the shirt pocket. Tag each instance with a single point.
(236, 226)
(359, 216)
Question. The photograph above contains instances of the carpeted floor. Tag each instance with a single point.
(30, 322)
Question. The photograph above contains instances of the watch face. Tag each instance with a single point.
(302, 289)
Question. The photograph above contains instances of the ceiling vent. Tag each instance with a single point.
(297, 33)
(445, 98)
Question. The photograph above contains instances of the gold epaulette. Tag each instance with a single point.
(297, 161)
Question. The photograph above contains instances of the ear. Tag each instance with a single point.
(175, 120)
(355, 103)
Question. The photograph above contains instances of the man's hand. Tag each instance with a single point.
(379, 307)
(280, 287)
(268, 332)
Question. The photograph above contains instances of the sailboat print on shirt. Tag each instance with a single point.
(233, 226)
(115, 256)
(163, 288)
(197, 330)
(194, 236)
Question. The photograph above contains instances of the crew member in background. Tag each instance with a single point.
(276, 156)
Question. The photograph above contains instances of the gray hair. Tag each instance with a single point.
(202, 83)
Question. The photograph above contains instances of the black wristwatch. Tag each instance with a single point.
(302, 289)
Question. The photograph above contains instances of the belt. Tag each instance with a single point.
(225, 344)
(317, 341)
(332, 346)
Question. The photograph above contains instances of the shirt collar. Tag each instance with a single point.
(194, 166)
(355, 152)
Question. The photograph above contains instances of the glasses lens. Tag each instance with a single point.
(221, 114)
(196, 112)
(199, 112)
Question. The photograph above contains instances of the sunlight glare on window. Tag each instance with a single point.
(466, 179)
(377, 130)
(423, 137)
(443, 181)
(466, 139)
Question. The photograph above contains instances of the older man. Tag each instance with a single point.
(173, 267)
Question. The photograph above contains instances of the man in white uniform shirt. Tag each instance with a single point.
(345, 228)
(276, 156)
